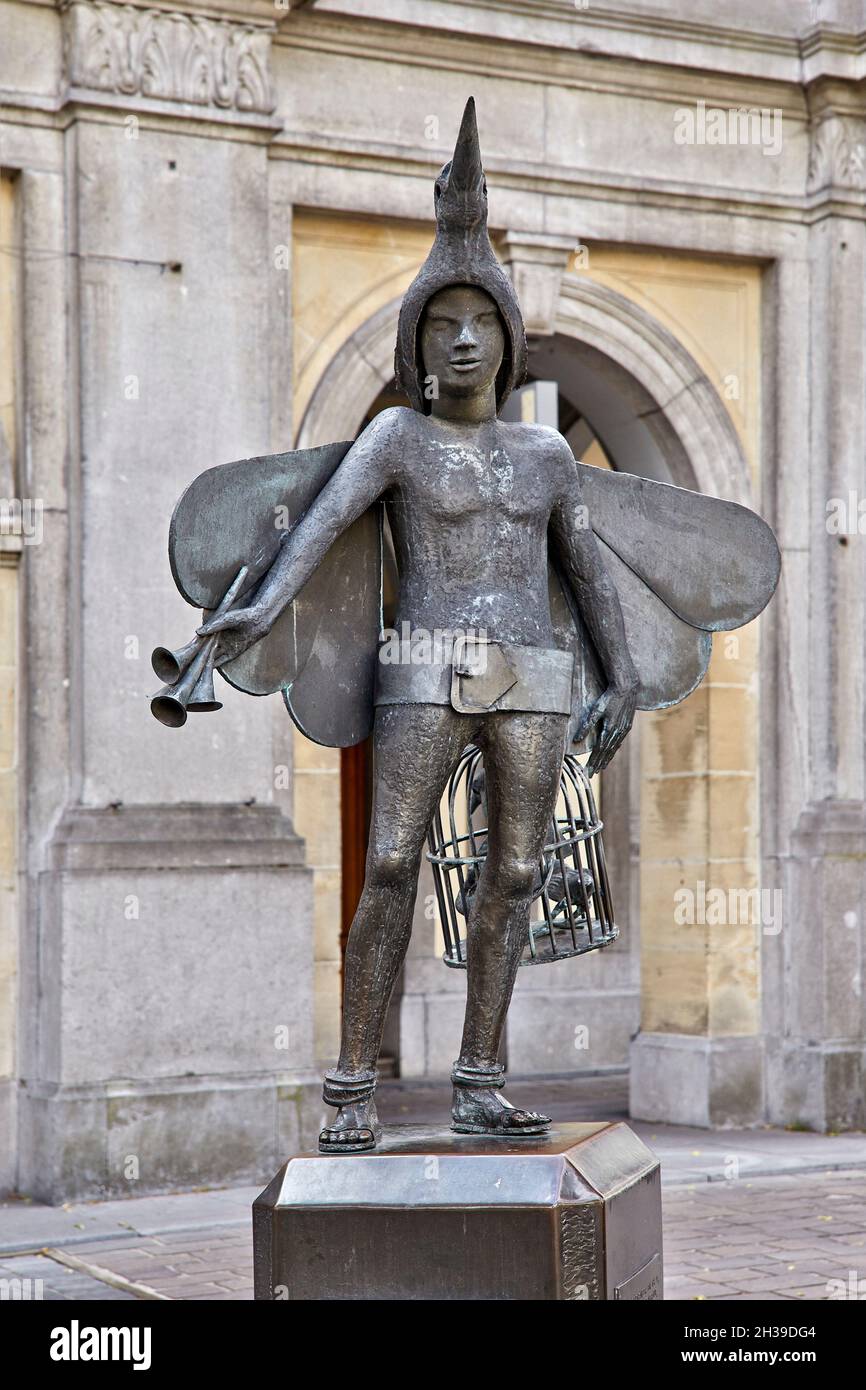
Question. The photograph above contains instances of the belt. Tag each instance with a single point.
(477, 676)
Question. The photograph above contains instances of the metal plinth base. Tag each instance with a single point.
(574, 1214)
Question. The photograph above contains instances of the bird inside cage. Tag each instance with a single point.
(573, 912)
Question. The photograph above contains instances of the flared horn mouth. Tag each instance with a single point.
(194, 690)
(170, 665)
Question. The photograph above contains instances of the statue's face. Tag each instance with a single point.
(462, 340)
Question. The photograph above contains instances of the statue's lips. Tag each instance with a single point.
(466, 364)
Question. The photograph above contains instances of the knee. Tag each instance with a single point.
(514, 876)
(391, 868)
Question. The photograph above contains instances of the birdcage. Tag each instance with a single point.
(571, 910)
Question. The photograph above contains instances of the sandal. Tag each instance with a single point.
(365, 1141)
(343, 1089)
(502, 1129)
(476, 1119)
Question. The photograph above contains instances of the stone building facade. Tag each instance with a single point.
(208, 215)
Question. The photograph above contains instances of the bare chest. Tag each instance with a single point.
(452, 479)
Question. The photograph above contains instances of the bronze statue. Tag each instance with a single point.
(499, 548)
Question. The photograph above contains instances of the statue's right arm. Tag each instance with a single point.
(367, 470)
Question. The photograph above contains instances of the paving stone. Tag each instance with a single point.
(763, 1297)
(676, 1288)
(39, 1279)
(737, 1276)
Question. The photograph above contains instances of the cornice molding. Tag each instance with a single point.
(601, 32)
(180, 835)
(167, 56)
(589, 185)
(499, 57)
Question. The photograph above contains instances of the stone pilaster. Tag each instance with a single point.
(165, 1035)
(816, 1069)
(698, 1059)
(815, 1020)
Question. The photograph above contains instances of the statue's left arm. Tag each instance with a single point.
(579, 558)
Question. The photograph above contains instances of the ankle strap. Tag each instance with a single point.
(347, 1088)
(464, 1074)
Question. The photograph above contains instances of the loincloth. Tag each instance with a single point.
(475, 675)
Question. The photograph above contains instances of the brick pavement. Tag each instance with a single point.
(183, 1265)
(196, 1265)
(769, 1238)
(34, 1277)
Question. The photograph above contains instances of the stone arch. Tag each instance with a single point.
(352, 380)
(678, 429)
(677, 412)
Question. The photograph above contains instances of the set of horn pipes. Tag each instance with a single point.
(188, 671)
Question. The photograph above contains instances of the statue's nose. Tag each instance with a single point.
(465, 338)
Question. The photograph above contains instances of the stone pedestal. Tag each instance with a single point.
(574, 1214)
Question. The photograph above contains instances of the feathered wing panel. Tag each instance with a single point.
(671, 656)
(713, 563)
(321, 652)
(684, 565)
(331, 699)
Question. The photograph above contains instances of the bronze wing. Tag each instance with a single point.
(685, 565)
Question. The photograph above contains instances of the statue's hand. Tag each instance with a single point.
(238, 631)
(612, 716)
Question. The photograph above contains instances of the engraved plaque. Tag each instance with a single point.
(645, 1286)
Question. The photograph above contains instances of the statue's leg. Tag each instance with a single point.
(522, 761)
(416, 750)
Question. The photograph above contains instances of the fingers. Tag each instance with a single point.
(240, 618)
(613, 739)
(610, 736)
(613, 743)
(217, 624)
(583, 727)
(235, 632)
(596, 760)
(600, 756)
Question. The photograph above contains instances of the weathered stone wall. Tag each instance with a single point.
(168, 318)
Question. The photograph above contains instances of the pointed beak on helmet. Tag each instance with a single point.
(461, 188)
